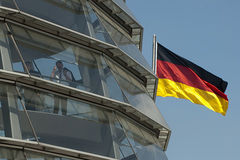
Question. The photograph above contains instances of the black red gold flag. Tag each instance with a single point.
(180, 78)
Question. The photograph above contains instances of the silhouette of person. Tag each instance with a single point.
(61, 73)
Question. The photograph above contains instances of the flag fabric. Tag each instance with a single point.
(180, 78)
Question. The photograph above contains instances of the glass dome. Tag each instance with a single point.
(74, 84)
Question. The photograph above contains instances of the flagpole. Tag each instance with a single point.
(154, 64)
(154, 54)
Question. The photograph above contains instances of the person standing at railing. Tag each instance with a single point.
(61, 73)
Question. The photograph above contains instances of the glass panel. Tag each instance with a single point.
(96, 28)
(142, 142)
(136, 93)
(68, 123)
(10, 59)
(68, 13)
(123, 149)
(63, 63)
(13, 117)
(76, 15)
(112, 88)
(16, 62)
(58, 61)
(125, 44)
(7, 3)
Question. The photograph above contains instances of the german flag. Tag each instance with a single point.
(180, 78)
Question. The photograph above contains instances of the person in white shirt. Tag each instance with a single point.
(61, 73)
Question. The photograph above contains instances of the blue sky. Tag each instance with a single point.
(206, 32)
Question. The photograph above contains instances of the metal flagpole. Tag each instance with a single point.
(154, 64)
(154, 54)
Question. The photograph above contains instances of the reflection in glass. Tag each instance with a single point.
(135, 93)
(80, 126)
(112, 89)
(142, 142)
(123, 149)
(64, 63)
(125, 44)
(96, 28)
(76, 15)
(59, 61)
(76, 125)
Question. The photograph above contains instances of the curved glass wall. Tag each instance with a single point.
(74, 66)
(58, 61)
(76, 15)
(74, 124)
(36, 115)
